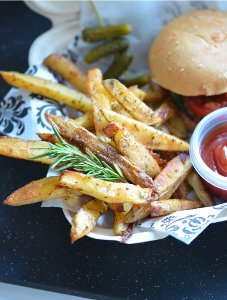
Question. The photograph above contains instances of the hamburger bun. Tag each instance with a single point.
(189, 57)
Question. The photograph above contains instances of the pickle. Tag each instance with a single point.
(139, 81)
(120, 64)
(107, 48)
(95, 34)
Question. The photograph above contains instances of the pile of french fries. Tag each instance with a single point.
(139, 131)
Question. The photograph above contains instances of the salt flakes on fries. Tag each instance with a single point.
(120, 131)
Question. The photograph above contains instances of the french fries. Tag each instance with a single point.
(196, 183)
(100, 98)
(172, 175)
(147, 135)
(166, 184)
(48, 89)
(40, 190)
(23, 149)
(124, 141)
(130, 147)
(85, 219)
(98, 94)
(129, 101)
(106, 191)
(162, 208)
(83, 139)
(67, 70)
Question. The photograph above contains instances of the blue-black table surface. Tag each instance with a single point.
(35, 248)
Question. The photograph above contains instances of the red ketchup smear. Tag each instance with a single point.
(214, 154)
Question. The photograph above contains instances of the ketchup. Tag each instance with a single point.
(214, 153)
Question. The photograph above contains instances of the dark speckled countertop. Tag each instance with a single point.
(34, 243)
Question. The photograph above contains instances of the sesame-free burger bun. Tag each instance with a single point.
(189, 57)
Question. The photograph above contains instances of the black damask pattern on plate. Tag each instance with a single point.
(50, 107)
(12, 112)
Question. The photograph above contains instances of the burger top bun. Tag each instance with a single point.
(189, 57)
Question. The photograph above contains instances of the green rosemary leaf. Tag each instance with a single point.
(66, 156)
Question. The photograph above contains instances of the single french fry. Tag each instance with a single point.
(23, 149)
(48, 137)
(84, 139)
(106, 191)
(162, 114)
(147, 135)
(119, 224)
(67, 70)
(40, 190)
(130, 147)
(85, 219)
(196, 183)
(48, 89)
(100, 98)
(172, 175)
(166, 183)
(139, 110)
(164, 207)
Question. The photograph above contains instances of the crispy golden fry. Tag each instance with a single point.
(130, 147)
(100, 98)
(162, 114)
(196, 183)
(166, 183)
(172, 175)
(129, 101)
(85, 219)
(161, 208)
(23, 149)
(48, 89)
(165, 207)
(67, 70)
(119, 223)
(106, 191)
(84, 139)
(147, 135)
(48, 137)
(40, 190)
(177, 127)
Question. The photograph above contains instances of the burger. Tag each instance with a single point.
(189, 60)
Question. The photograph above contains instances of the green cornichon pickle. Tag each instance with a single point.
(140, 81)
(120, 64)
(95, 34)
(107, 48)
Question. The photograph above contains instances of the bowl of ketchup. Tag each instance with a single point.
(208, 151)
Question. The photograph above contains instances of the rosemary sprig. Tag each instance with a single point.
(67, 156)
